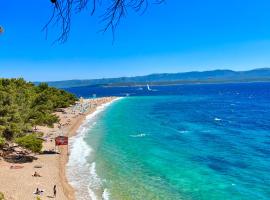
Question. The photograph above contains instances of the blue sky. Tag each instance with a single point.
(175, 37)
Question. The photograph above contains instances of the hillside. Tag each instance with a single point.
(215, 76)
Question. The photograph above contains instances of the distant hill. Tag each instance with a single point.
(215, 76)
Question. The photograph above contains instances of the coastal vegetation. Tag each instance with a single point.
(2, 141)
(31, 142)
(24, 106)
(2, 197)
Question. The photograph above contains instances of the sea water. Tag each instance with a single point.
(203, 142)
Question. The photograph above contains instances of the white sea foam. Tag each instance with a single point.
(77, 164)
(79, 147)
(95, 183)
(217, 119)
(105, 194)
(184, 131)
(80, 173)
(138, 135)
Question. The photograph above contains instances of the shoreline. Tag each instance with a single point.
(54, 166)
(77, 146)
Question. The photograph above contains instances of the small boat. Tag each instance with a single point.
(148, 88)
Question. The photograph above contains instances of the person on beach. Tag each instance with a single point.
(54, 190)
(36, 174)
(38, 192)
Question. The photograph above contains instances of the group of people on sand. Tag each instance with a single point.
(40, 191)
(80, 107)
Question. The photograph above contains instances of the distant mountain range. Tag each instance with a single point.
(195, 77)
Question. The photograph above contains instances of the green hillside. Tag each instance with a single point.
(215, 76)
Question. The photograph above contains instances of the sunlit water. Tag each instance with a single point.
(208, 142)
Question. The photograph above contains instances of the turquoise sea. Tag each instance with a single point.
(206, 142)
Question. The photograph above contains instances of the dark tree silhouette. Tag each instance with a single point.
(114, 10)
(1, 30)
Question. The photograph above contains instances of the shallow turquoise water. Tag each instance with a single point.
(206, 147)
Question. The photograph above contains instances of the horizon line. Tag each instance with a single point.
(193, 71)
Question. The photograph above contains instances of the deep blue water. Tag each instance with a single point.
(202, 142)
(246, 89)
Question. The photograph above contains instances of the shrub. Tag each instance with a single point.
(30, 142)
(2, 143)
(2, 197)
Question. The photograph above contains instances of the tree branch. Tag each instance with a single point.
(63, 9)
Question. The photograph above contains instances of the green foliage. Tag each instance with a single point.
(30, 142)
(38, 198)
(2, 197)
(24, 105)
(2, 141)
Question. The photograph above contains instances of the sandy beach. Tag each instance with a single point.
(19, 184)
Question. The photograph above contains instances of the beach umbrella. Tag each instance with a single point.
(81, 100)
